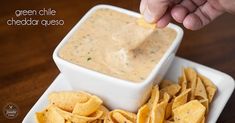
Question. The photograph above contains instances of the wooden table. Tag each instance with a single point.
(27, 68)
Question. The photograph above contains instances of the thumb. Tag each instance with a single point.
(153, 10)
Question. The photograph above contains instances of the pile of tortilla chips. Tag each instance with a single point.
(71, 107)
(185, 102)
(79, 107)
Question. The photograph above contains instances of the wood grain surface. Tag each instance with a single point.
(27, 68)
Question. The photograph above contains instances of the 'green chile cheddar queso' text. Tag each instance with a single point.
(106, 42)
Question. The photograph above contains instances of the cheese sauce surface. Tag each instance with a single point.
(113, 43)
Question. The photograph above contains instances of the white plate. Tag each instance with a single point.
(224, 83)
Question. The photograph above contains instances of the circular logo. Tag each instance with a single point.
(10, 110)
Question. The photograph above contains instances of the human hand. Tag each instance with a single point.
(194, 14)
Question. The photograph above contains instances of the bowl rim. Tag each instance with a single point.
(107, 77)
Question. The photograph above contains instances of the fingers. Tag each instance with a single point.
(194, 14)
(164, 20)
(192, 22)
(153, 10)
(180, 11)
(201, 17)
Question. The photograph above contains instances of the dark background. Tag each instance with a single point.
(27, 68)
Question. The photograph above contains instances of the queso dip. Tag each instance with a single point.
(106, 43)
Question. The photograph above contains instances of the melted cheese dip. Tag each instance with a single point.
(103, 44)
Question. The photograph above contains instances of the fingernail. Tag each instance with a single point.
(147, 16)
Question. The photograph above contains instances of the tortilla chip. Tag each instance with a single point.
(211, 93)
(181, 99)
(203, 120)
(40, 117)
(210, 87)
(183, 82)
(143, 114)
(155, 95)
(205, 103)
(200, 90)
(97, 121)
(89, 107)
(165, 83)
(158, 112)
(191, 77)
(171, 119)
(154, 114)
(49, 116)
(67, 121)
(168, 121)
(141, 22)
(121, 116)
(168, 109)
(66, 100)
(105, 112)
(77, 118)
(172, 90)
(206, 81)
(191, 112)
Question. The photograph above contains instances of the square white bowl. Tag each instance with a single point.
(115, 92)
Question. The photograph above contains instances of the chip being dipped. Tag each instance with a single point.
(141, 22)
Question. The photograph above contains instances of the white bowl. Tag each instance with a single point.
(116, 93)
